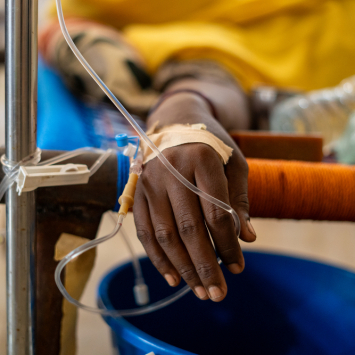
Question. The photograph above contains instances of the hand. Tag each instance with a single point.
(171, 220)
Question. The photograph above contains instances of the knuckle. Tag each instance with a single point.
(205, 271)
(164, 235)
(217, 216)
(204, 151)
(188, 227)
(143, 235)
(151, 172)
(146, 179)
(242, 201)
(187, 272)
(170, 155)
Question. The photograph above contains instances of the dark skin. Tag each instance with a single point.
(170, 219)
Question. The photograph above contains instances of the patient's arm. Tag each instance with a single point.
(229, 100)
(170, 219)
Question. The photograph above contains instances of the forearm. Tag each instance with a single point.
(230, 102)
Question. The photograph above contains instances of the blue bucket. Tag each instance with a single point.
(278, 305)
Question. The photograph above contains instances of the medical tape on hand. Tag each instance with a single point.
(178, 134)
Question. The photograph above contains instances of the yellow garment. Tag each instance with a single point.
(304, 44)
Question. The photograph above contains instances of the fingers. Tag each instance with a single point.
(146, 235)
(237, 174)
(194, 235)
(220, 222)
(168, 237)
(156, 229)
(176, 228)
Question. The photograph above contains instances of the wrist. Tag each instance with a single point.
(181, 107)
(198, 93)
(230, 101)
(185, 108)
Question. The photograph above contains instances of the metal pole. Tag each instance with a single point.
(21, 130)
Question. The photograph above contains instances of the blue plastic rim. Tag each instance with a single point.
(278, 305)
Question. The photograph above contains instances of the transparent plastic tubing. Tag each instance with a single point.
(135, 262)
(106, 312)
(134, 124)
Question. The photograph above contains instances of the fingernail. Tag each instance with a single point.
(250, 228)
(170, 279)
(234, 268)
(215, 292)
(200, 292)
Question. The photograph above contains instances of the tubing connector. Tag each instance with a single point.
(126, 200)
(141, 294)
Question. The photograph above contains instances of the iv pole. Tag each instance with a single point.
(21, 130)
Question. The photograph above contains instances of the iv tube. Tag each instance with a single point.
(105, 312)
(135, 262)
